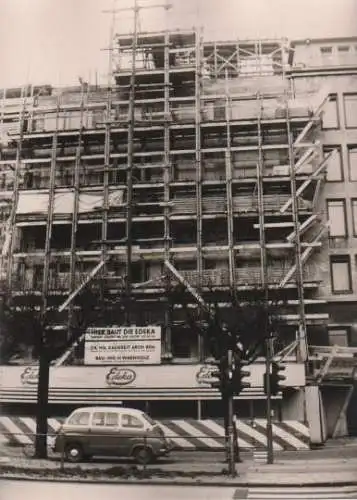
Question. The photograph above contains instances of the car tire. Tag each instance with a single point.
(73, 452)
(142, 455)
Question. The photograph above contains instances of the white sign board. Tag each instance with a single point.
(132, 345)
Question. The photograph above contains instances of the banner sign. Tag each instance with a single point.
(195, 376)
(134, 345)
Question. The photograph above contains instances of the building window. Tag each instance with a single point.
(184, 344)
(338, 336)
(341, 281)
(336, 214)
(326, 55)
(352, 162)
(354, 216)
(330, 118)
(334, 172)
(350, 105)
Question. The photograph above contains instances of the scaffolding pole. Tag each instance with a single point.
(50, 212)
(74, 227)
(265, 285)
(302, 351)
(130, 162)
(229, 189)
(15, 197)
(167, 178)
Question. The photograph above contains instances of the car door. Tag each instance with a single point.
(104, 433)
(76, 428)
(132, 431)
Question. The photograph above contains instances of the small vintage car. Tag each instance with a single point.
(111, 432)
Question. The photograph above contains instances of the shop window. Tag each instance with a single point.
(184, 344)
(341, 281)
(336, 214)
(330, 118)
(350, 106)
(334, 172)
(338, 336)
(352, 162)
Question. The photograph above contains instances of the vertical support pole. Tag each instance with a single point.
(229, 193)
(15, 197)
(199, 218)
(269, 353)
(51, 201)
(105, 215)
(230, 450)
(265, 284)
(166, 175)
(302, 350)
(74, 228)
(130, 163)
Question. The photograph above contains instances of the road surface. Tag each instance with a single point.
(37, 490)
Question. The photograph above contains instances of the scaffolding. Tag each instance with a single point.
(196, 154)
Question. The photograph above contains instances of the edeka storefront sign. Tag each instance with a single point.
(82, 385)
(132, 345)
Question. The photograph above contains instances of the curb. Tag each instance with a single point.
(229, 482)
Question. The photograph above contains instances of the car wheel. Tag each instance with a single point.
(73, 452)
(143, 455)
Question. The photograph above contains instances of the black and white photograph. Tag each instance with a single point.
(178, 249)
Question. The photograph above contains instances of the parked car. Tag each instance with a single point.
(109, 431)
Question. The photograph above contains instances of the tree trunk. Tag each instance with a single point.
(42, 407)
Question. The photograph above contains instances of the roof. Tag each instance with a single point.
(108, 408)
(332, 40)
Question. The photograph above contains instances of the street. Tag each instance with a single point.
(37, 490)
(344, 450)
(26, 490)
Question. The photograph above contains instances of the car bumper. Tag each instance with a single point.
(167, 448)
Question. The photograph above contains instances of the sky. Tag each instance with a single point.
(58, 41)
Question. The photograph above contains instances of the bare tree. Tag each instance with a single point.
(25, 323)
(242, 326)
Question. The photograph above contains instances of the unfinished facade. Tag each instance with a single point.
(218, 157)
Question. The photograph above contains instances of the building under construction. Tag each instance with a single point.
(232, 163)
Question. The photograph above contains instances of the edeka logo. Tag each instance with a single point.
(30, 375)
(204, 374)
(120, 376)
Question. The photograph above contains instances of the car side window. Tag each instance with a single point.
(111, 419)
(131, 421)
(107, 419)
(98, 418)
(79, 418)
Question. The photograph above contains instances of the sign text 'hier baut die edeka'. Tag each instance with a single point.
(123, 345)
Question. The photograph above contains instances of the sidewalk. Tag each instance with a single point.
(293, 472)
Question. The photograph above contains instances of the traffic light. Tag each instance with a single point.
(240, 373)
(276, 377)
(220, 374)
